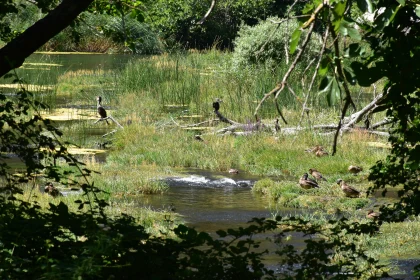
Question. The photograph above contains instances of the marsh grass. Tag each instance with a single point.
(395, 240)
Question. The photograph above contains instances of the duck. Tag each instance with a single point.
(321, 153)
(233, 171)
(314, 149)
(307, 183)
(51, 190)
(316, 174)
(349, 191)
(372, 215)
(355, 169)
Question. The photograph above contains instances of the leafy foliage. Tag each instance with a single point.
(266, 43)
(176, 20)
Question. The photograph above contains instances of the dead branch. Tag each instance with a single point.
(381, 123)
(201, 21)
(109, 118)
(356, 117)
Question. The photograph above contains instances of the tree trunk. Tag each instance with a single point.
(16, 51)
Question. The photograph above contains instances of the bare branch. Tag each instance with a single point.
(201, 21)
(383, 122)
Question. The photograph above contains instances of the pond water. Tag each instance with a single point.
(208, 201)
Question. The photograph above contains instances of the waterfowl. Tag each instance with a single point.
(233, 171)
(314, 149)
(216, 104)
(306, 183)
(321, 153)
(355, 169)
(372, 215)
(51, 190)
(316, 174)
(101, 110)
(349, 191)
(277, 125)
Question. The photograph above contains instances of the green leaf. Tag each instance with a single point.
(329, 86)
(295, 40)
(417, 10)
(324, 66)
(347, 29)
(351, 78)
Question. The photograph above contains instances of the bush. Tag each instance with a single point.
(265, 43)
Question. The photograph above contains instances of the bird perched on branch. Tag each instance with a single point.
(316, 174)
(216, 104)
(349, 191)
(101, 110)
(307, 183)
(355, 169)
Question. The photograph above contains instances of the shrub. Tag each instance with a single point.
(265, 43)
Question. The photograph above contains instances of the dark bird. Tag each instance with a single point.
(354, 169)
(372, 215)
(349, 191)
(51, 190)
(307, 183)
(277, 125)
(101, 110)
(316, 174)
(216, 104)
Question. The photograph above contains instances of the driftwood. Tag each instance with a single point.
(112, 119)
(109, 118)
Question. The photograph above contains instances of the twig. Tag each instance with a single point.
(201, 21)
(112, 132)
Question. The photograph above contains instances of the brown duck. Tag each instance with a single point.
(372, 215)
(51, 190)
(314, 149)
(354, 169)
(349, 191)
(316, 174)
(307, 183)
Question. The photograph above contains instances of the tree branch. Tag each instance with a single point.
(213, 3)
(15, 52)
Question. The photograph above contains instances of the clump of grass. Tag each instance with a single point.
(290, 194)
(395, 240)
